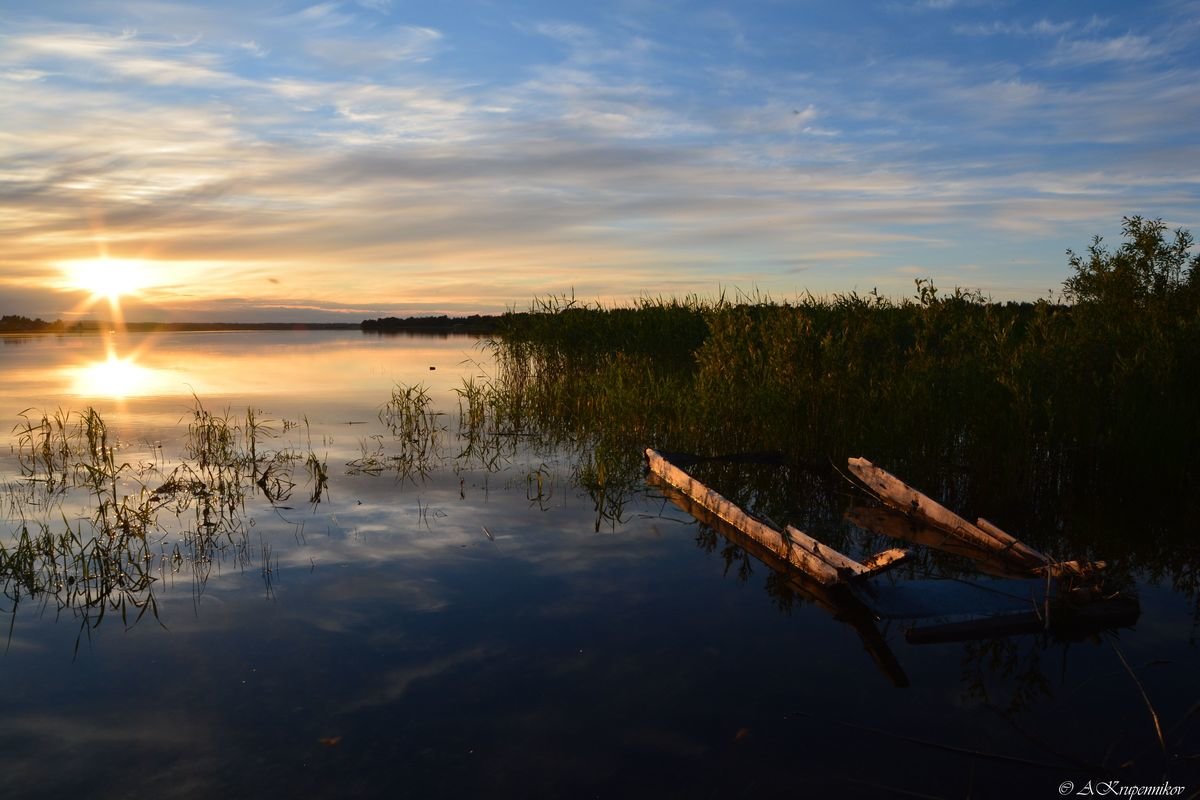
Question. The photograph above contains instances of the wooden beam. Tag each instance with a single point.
(902, 497)
(1065, 622)
(885, 560)
(827, 554)
(846, 566)
(807, 562)
(890, 522)
(1012, 542)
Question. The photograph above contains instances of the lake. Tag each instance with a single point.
(388, 602)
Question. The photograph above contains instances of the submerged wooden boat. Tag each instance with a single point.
(1019, 590)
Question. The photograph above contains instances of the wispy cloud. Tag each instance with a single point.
(83, 54)
(405, 43)
(1043, 27)
(1127, 48)
(336, 139)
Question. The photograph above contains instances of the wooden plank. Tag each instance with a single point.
(845, 565)
(1012, 542)
(773, 540)
(885, 560)
(1046, 564)
(899, 495)
(1065, 622)
(890, 522)
(827, 554)
(983, 628)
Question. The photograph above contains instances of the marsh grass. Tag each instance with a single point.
(1076, 425)
(487, 428)
(91, 573)
(44, 447)
(374, 459)
(214, 440)
(318, 475)
(131, 535)
(407, 414)
(417, 437)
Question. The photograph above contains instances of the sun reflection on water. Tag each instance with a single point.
(299, 371)
(115, 377)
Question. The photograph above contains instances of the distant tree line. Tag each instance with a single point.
(15, 323)
(476, 323)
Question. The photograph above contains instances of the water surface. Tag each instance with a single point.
(482, 624)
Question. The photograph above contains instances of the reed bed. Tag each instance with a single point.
(1080, 415)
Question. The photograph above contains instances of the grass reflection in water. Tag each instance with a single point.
(146, 520)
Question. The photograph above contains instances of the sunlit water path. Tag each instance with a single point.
(411, 612)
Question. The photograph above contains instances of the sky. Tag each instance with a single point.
(335, 161)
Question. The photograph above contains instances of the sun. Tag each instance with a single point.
(111, 278)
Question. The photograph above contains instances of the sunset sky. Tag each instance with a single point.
(342, 160)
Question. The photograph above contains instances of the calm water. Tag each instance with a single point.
(478, 630)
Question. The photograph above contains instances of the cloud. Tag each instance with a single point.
(82, 54)
(320, 15)
(617, 162)
(923, 6)
(404, 43)
(1127, 48)
(1042, 27)
(565, 32)
(254, 48)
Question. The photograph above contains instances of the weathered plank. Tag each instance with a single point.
(890, 522)
(899, 495)
(1010, 541)
(1043, 562)
(827, 554)
(884, 560)
(845, 565)
(1064, 622)
(807, 562)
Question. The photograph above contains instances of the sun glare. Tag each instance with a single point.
(114, 377)
(111, 278)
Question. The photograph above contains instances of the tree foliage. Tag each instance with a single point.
(1147, 272)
